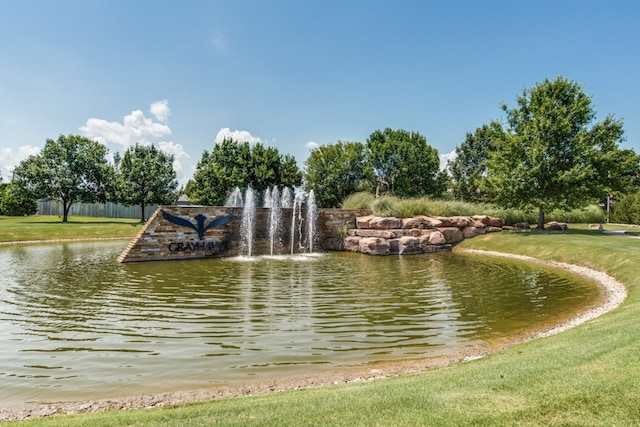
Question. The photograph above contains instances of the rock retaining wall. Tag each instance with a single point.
(421, 234)
(188, 232)
(161, 240)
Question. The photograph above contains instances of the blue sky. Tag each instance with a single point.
(295, 74)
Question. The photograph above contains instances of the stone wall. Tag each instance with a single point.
(161, 239)
(421, 234)
(192, 232)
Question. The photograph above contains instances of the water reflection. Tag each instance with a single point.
(76, 324)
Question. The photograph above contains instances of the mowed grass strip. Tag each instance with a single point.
(27, 228)
(588, 375)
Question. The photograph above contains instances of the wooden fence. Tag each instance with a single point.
(99, 210)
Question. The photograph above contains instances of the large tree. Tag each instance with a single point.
(469, 169)
(145, 175)
(334, 171)
(552, 154)
(404, 164)
(70, 169)
(239, 164)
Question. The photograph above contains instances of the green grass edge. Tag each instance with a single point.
(588, 375)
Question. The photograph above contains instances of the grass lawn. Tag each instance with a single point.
(588, 375)
(24, 228)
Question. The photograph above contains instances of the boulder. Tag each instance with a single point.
(595, 226)
(485, 219)
(385, 234)
(470, 232)
(477, 223)
(436, 238)
(385, 223)
(415, 232)
(363, 221)
(452, 235)
(352, 243)
(374, 246)
(522, 226)
(460, 221)
(556, 226)
(496, 222)
(420, 222)
(409, 245)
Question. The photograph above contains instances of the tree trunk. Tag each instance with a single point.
(65, 211)
(540, 219)
(142, 212)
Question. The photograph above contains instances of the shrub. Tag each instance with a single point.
(360, 200)
(410, 207)
(626, 209)
(14, 202)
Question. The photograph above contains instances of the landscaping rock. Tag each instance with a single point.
(420, 234)
(363, 221)
(522, 226)
(374, 246)
(556, 226)
(385, 223)
(451, 234)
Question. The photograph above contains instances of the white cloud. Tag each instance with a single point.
(180, 159)
(135, 127)
(311, 145)
(10, 158)
(236, 135)
(445, 158)
(160, 110)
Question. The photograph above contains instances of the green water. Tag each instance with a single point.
(75, 324)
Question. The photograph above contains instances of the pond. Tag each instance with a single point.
(75, 324)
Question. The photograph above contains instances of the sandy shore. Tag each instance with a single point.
(614, 293)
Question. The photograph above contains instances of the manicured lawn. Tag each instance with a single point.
(25, 228)
(588, 375)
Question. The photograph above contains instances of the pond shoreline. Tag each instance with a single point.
(613, 292)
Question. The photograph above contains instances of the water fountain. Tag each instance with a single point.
(248, 220)
(267, 198)
(312, 214)
(275, 217)
(286, 198)
(234, 199)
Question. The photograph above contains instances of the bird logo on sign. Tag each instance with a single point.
(199, 227)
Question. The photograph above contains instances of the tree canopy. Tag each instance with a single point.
(552, 155)
(70, 169)
(334, 171)
(239, 164)
(404, 164)
(145, 175)
(469, 169)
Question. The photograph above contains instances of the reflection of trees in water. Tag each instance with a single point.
(509, 295)
(60, 287)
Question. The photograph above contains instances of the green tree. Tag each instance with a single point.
(404, 164)
(238, 164)
(15, 202)
(334, 171)
(145, 175)
(70, 169)
(626, 208)
(469, 169)
(552, 155)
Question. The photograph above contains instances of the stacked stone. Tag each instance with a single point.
(421, 234)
